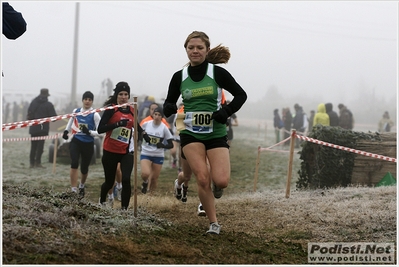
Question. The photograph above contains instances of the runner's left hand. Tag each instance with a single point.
(85, 130)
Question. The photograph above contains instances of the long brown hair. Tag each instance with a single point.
(217, 55)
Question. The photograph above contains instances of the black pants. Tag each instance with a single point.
(36, 152)
(77, 149)
(110, 162)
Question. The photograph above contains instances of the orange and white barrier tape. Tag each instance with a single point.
(276, 150)
(22, 124)
(31, 138)
(364, 153)
(367, 154)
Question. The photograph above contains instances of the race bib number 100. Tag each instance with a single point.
(199, 122)
(121, 134)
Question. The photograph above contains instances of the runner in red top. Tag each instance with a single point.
(118, 144)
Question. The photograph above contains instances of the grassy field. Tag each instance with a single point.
(43, 223)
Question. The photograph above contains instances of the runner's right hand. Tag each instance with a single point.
(169, 109)
(122, 122)
(65, 135)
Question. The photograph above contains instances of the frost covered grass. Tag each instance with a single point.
(44, 223)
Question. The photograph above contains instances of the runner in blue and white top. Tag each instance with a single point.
(153, 152)
(84, 129)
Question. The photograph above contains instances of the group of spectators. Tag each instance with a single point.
(17, 111)
(325, 115)
(303, 124)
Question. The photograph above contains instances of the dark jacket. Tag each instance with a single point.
(277, 121)
(345, 118)
(14, 25)
(39, 108)
(287, 119)
(334, 119)
(297, 121)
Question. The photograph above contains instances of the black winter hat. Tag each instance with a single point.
(88, 94)
(122, 86)
(159, 110)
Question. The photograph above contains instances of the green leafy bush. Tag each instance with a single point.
(326, 167)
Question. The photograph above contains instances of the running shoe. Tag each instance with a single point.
(102, 205)
(119, 194)
(214, 228)
(184, 197)
(82, 192)
(217, 192)
(110, 202)
(201, 212)
(177, 190)
(144, 188)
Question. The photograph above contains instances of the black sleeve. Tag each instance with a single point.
(103, 126)
(14, 25)
(226, 81)
(170, 144)
(174, 88)
(139, 131)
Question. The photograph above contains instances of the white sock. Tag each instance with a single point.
(81, 185)
(74, 189)
(110, 196)
(118, 185)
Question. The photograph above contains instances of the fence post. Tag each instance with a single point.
(289, 173)
(135, 154)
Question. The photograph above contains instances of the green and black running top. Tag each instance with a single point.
(201, 90)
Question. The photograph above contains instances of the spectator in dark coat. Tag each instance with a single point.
(277, 124)
(39, 108)
(334, 119)
(346, 120)
(297, 121)
(287, 119)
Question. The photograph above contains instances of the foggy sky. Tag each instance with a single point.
(332, 49)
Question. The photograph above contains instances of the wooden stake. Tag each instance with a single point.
(135, 154)
(256, 169)
(289, 174)
(55, 154)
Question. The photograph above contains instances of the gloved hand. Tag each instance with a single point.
(122, 122)
(146, 138)
(222, 114)
(160, 145)
(169, 109)
(65, 135)
(85, 130)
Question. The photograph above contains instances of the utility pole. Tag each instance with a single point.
(75, 56)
